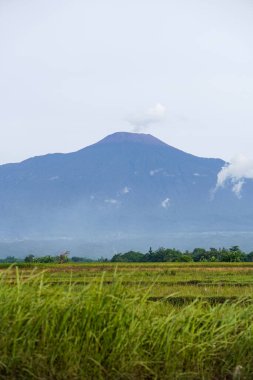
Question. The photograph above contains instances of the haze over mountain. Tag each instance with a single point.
(126, 191)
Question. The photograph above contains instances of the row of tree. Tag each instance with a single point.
(233, 254)
(47, 259)
(58, 259)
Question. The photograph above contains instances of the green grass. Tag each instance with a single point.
(101, 330)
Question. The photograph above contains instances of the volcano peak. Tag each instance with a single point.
(128, 137)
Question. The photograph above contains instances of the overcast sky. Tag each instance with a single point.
(73, 71)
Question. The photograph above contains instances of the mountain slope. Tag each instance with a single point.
(124, 185)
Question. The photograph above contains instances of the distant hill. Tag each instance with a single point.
(125, 187)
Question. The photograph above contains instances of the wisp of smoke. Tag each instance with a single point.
(153, 115)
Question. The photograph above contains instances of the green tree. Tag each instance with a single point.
(29, 259)
(185, 258)
(249, 257)
(131, 256)
(198, 254)
(234, 254)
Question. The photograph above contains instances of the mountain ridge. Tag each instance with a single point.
(124, 185)
(114, 138)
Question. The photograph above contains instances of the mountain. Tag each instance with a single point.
(127, 188)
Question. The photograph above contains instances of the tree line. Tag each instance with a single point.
(232, 254)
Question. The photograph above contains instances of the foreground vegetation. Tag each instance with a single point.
(100, 321)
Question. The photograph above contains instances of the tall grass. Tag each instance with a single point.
(101, 332)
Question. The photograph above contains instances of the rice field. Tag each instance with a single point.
(126, 321)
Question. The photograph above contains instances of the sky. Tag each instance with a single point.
(74, 71)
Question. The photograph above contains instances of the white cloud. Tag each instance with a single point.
(152, 115)
(236, 171)
(125, 190)
(237, 188)
(112, 201)
(199, 175)
(166, 203)
(155, 171)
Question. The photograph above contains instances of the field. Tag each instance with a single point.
(127, 321)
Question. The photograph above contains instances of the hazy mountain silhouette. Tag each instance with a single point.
(126, 185)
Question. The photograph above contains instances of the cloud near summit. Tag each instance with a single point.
(152, 115)
(239, 169)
